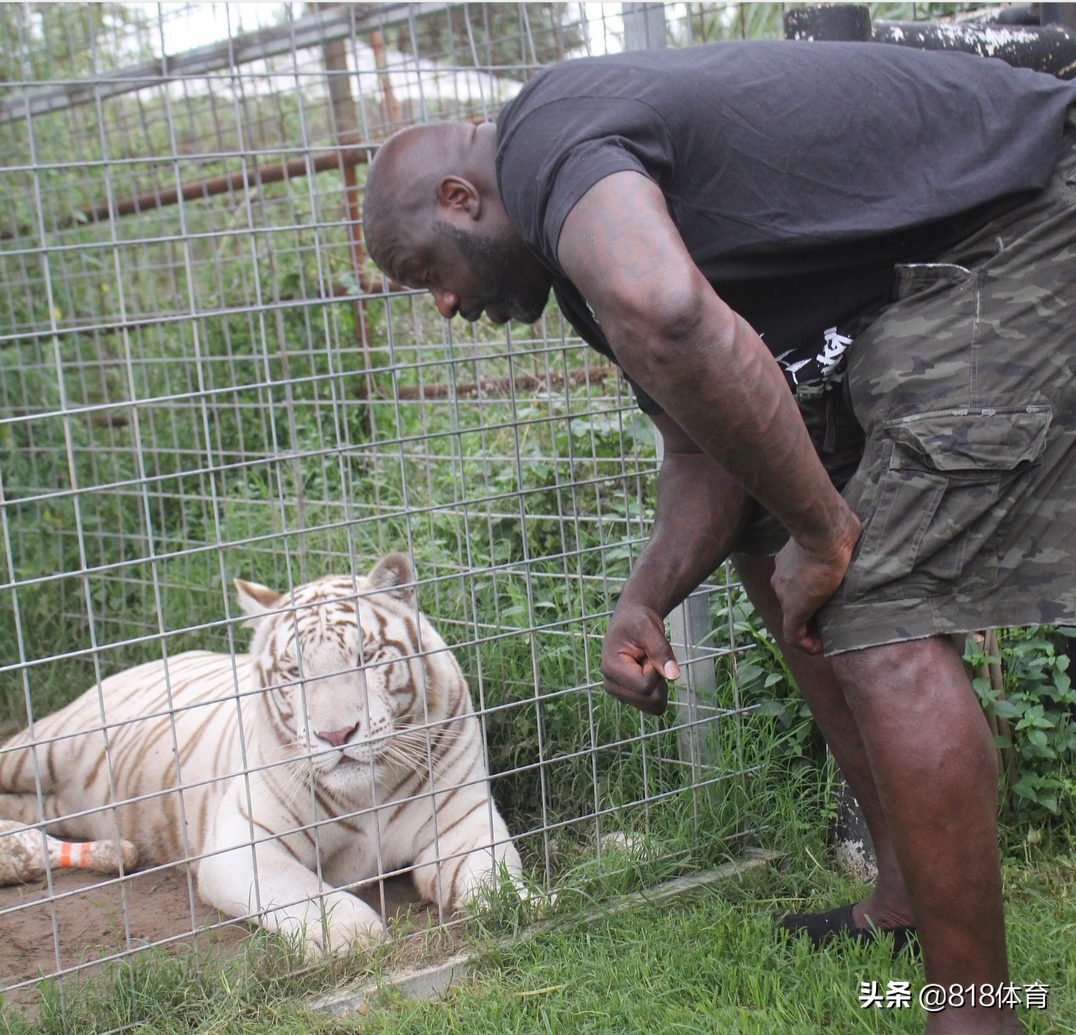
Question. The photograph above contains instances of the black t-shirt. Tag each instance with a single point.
(796, 173)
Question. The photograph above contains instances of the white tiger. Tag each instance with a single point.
(356, 752)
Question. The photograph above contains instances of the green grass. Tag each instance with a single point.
(711, 964)
(265, 460)
(707, 962)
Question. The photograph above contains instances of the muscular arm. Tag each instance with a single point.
(712, 374)
(700, 514)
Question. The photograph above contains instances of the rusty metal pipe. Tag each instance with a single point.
(244, 178)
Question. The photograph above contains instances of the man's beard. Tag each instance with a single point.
(505, 287)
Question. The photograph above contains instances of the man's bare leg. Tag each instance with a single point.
(935, 768)
(888, 905)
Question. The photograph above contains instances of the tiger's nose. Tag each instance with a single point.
(337, 737)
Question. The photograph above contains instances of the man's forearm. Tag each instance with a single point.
(701, 511)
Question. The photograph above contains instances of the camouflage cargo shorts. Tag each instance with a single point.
(965, 388)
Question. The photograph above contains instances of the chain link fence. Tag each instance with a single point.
(203, 378)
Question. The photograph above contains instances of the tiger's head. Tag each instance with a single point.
(356, 682)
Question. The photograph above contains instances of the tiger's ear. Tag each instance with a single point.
(394, 574)
(256, 599)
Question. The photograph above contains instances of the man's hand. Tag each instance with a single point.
(637, 659)
(804, 581)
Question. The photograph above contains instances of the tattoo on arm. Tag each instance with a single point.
(620, 229)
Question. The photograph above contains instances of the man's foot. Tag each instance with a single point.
(823, 928)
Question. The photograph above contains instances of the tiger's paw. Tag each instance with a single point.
(345, 923)
(538, 900)
(508, 894)
(341, 932)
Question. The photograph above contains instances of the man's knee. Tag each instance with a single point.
(914, 675)
(915, 692)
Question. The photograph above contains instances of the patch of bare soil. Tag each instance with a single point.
(91, 918)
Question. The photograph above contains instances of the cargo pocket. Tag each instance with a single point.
(913, 278)
(950, 480)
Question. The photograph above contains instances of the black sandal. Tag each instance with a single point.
(823, 928)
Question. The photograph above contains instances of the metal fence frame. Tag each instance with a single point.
(512, 390)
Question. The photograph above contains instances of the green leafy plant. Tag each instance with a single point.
(1024, 684)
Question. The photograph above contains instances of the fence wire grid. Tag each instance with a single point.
(203, 378)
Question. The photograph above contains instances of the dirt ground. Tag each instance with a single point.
(93, 917)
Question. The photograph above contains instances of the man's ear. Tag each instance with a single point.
(460, 195)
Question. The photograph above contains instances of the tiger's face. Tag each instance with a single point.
(344, 681)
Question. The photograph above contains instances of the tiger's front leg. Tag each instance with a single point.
(271, 883)
(455, 867)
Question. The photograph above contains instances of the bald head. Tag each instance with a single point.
(434, 220)
(403, 179)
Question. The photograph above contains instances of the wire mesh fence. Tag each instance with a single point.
(204, 379)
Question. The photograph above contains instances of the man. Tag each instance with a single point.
(732, 224)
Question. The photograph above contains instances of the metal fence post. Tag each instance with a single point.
(644, 26)
(689, 624)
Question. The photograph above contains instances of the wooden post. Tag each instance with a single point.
(346, 122)
(389, 106)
